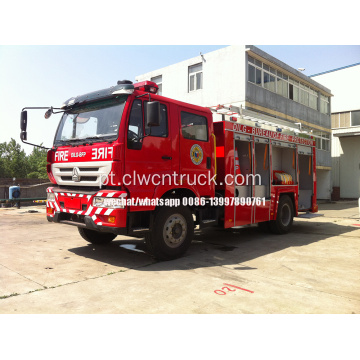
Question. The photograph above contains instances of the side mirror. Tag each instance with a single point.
(23, 125)
(153, 113)
(23, 120)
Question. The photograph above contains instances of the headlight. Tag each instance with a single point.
(51, 196)
(109, 202)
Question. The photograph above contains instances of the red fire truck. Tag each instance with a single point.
(126, 161)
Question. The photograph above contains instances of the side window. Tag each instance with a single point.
(162, 130)
(135, 130)
(194, 127)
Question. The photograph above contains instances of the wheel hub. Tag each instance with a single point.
(175, 230)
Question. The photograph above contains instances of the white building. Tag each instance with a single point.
(345, 124)
(248, 76)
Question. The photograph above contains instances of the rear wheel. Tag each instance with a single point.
(96, 237)
(172, 233)
(285, 216)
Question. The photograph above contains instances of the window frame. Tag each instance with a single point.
(322, 141)
(305, 95)
(200, 116)
(351, 118)
(194, 74)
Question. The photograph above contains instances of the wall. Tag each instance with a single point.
(345, 151)
(29, 188)
(344, 84)
(350, 167)
(223, 78)
(323, 184)
(263, 97)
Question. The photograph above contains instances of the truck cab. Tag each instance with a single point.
(112, 145)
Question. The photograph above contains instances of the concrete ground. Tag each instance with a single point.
(49, 268)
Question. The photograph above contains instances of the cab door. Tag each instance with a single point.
(148, 151)
(196, 160)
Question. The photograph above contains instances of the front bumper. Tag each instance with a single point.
(77, 209)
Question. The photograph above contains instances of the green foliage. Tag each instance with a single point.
(37, 164)
(15, 163)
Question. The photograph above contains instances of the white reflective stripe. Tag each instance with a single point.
(71, 211)
(81, 195)
(89, 210)
(123, 195)
(99, 223)
(99, 194)
(50, 204)
(57, 207)
(108, 211)
(56, 194)
(94, 217)
(110, 194)
(79, 213)
(68, 194)
(88, 197)
(62, 194)
(98, 211)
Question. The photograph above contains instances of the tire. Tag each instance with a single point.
(96, 237)
(172, 233)
(284, 217)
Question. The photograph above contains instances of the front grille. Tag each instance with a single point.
(82, 178)
(90, 173)
(89, 169)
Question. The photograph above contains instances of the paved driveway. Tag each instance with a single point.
(49, 268)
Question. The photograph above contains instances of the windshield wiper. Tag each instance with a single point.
(96, 137)
(85, 141)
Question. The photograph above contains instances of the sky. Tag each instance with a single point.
(47, 75)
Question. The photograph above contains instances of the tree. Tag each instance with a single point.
(15, 164)
(13, 160)
(37, 164)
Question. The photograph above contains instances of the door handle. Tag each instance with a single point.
(166, 157)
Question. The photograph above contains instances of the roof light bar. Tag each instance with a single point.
(148, 86)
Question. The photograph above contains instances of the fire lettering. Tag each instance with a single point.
(102, 153)
(61, 155)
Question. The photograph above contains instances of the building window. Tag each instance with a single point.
(324, 104)
(276, 81)
(195, 77)
(355, 118)
(158, 81)
(322, 140)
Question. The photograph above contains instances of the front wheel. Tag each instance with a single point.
(285, 216)
(96, 237)
(172, 233)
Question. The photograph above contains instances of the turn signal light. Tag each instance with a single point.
(111, 219)
(50, 210)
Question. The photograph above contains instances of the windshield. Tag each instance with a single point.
(96, 122)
